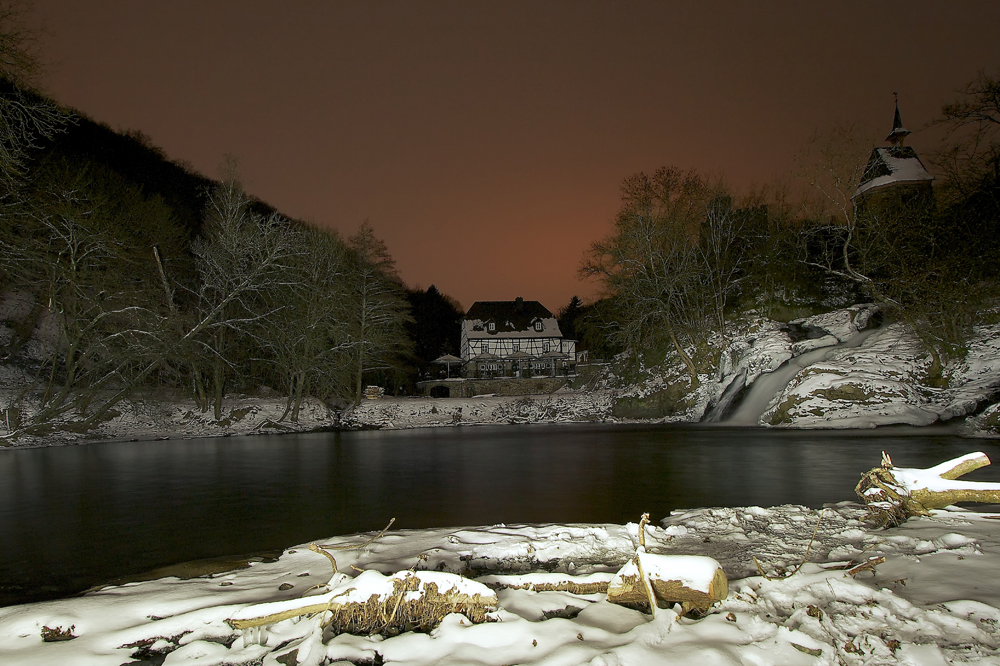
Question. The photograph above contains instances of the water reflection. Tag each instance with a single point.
(71, 517)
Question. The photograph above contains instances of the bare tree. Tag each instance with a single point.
(25, 116)
(311, 340)
(243, 260)
(378, 308)
(723, 247)
(972, 157)
(77, 251)
(653, 266)
(832, 163)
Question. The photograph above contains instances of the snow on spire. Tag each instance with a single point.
(895, 164)
(898, 132)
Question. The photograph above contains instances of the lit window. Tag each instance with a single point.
(492, 326)
(538, 326)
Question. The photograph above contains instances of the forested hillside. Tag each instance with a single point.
(126, 275)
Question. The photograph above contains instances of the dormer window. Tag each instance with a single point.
(492, 327)
(538, 326)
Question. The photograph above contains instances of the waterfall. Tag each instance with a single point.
(727, 397)
(770, 384)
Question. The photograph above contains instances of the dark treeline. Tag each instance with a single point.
(124, 273)
(133, 289)
(687, 253)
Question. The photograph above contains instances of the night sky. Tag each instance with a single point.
(486, 141)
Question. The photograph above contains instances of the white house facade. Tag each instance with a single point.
(515, 338)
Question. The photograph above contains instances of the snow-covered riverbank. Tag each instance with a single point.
(881, 381)
(934, 600)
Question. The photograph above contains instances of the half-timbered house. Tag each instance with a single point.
(516, 338)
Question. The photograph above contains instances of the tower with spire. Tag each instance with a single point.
(894, 166)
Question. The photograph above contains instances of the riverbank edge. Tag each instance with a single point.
(374, 417)
(875, 385)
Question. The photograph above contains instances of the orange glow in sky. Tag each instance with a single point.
(486, 141)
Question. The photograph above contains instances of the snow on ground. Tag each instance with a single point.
(177, 419)
(934, 600)
(415, 412)
(245, 415)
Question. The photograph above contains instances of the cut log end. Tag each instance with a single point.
(672, 582)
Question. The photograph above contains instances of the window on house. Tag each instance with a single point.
(538, 326)
(492, 326)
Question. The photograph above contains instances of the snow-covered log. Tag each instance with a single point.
(595, 583)
(893, 494)
(373, 603)
(694, 581)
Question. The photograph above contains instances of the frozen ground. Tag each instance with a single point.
(934, 600)
(568, 406)
(249, 415)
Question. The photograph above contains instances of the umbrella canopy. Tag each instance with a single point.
(485, 356)
(447, 359)
(554, 355)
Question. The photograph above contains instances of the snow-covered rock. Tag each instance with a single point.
(880, 383)
(843, 324)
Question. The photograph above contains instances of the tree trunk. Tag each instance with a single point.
(288, 406)
(200, 396)
(54, 404)
(300, 392)
(358, 388)
(688, 363)
(218, 387)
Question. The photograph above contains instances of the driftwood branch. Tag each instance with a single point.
(361, 545)
(804, 557)
(893, 494)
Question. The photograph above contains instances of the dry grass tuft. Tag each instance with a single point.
(409, 608)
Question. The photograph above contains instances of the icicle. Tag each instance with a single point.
(254, 636)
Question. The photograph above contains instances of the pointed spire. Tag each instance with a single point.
(898, 132)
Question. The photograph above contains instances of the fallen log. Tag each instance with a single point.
(694, 581)
(893, 494)
(595, 583)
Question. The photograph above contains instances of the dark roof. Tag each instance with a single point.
(889, 166)
(898, 132)
(519, 314)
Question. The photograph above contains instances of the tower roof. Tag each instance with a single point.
(898, 132)
(893, 165)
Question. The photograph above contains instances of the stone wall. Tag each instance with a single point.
(500, 386)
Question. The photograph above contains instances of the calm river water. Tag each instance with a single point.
(73, 517)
